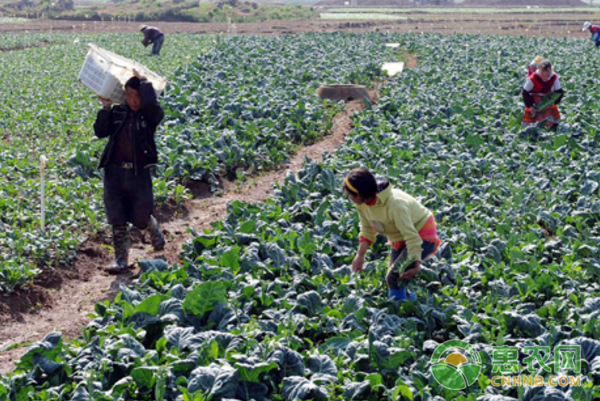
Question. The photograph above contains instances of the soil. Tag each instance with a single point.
(506, 23)
(61, 299)
(58, 300)
(411, 60)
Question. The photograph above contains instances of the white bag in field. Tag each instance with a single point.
(106, 73)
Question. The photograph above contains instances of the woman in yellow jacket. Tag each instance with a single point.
(408, 225)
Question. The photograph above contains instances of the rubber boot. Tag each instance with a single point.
(121, 246)
(158, 240)
(401, 295)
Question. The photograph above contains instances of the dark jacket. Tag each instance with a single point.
(110, 121)
(150, 35)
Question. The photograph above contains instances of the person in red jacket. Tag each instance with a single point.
(542, 82)
(594, 31)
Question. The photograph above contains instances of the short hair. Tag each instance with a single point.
(362, 181)
(544, 65)
(133, 83)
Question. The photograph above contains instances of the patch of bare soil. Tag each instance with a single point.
(411, 60)
(539, 24)
(61, 299)
(58, 300)
(6, 138)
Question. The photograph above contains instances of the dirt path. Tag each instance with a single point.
(61, 299)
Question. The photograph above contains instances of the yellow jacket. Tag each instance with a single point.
(396, 215)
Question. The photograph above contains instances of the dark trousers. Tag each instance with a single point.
(157, 45)
(128, 198)
(392, 277)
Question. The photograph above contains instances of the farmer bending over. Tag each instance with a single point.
(538, 106)
(594, 31)
(126, 160)
(152, 36)
(409, 226)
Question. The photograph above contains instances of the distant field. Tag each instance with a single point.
(9, 20)
(471, 10)
(89, 3)
(354, 15)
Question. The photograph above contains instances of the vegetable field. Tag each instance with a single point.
(7, 20)
(462, 10)
(223, 119)
(45, 111)
(264, 305)
(361, 16)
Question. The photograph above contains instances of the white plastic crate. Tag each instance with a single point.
(392, 68)
(106, 73)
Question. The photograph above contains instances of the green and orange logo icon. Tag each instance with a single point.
(455, 364)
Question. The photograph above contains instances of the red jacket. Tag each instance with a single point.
(541, 86)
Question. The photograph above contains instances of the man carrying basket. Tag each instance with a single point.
(127, 158)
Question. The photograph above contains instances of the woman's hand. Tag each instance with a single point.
(412, 271)
(533, 111)
(357, 263)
